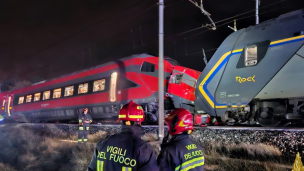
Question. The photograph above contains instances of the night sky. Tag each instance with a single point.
(46, 39)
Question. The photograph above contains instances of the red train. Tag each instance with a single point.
(103, 89)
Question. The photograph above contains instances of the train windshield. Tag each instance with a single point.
(176, 78)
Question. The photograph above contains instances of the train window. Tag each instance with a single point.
(251, 55)
(46, 95)
(69, 91)
(21, 100)
(8, 105)
(113, 87)
(107, 110)
(95, 110)
(147, 67)
(37, 97)
(83, 88)
(189, 82)
(57, 93)
(176, 79)
(28, 98)
(99, 85)
(100, 109)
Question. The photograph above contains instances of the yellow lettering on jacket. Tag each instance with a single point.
(191, 146)
(123, 160)
(101, 155)
(193, 154)
(117, 155)
(116, 150)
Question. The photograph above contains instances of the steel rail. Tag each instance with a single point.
(240, 128)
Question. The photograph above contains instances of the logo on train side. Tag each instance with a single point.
(241, 80)
(44, 105)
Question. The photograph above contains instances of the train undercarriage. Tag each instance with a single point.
(268, 113)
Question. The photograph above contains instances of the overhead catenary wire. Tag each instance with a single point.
(174, 3)
(134, 16)
(265, 12)
(226, 24)
(151, 7)
(249, 11)
(233, 17)
(210, 30)
(212, 25)
(202, 51)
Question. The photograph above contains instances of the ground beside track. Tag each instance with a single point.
(231, 149)
(289, 140)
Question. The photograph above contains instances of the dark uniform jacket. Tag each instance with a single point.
(181, 154)
(125, 151)
(82, 124)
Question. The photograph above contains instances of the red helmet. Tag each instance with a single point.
(85, 109)
(131, 112)
(179, 120)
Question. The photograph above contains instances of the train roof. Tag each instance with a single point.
(168, 59)
(282, 18)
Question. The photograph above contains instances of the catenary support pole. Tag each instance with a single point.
(257, 11)
(161, 72)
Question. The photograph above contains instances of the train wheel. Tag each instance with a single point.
(268, 118)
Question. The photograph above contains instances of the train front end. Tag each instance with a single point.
(181, 90)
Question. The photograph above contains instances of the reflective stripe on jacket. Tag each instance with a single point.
(181, 154)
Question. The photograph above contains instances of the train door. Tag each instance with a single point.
(9, 104)
(3, 108)
(113, 87)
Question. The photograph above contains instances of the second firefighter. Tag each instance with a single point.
(180, 152)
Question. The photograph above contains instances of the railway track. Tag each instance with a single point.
(248, 128)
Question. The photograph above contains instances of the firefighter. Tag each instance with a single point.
(126, 150)
(84, 125)
(180, 152)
